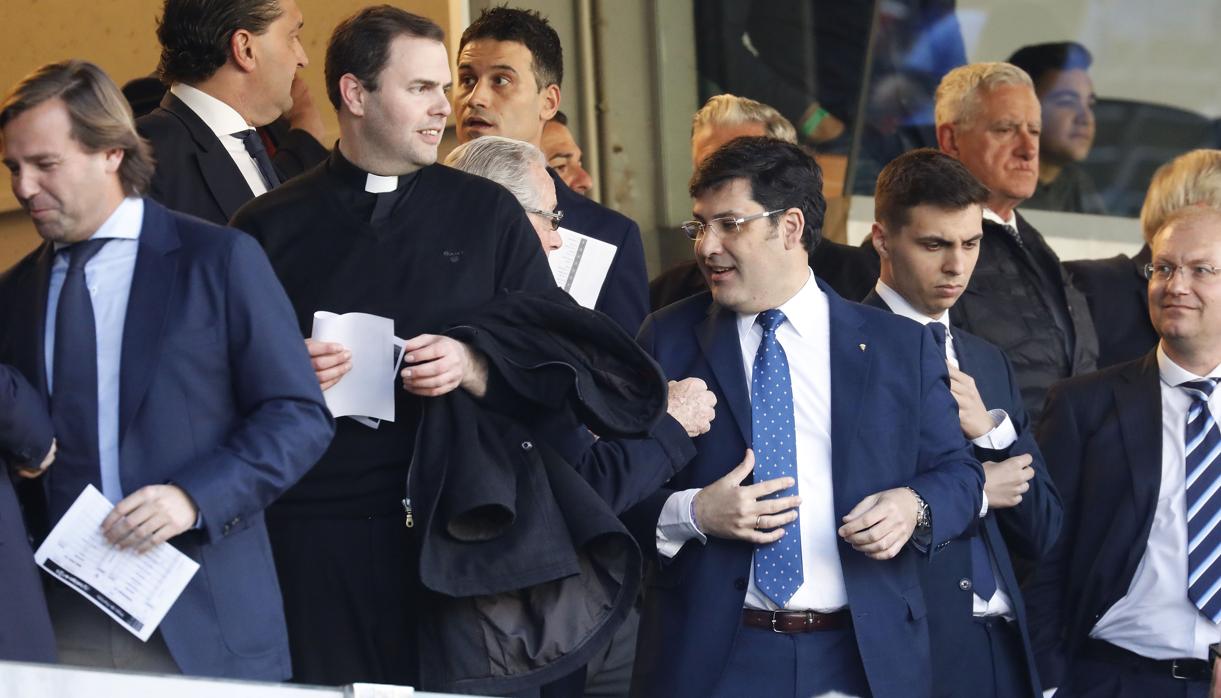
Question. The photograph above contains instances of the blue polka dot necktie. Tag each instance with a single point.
(778, 568)
(1202, 442)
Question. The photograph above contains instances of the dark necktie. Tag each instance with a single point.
(779, 571)
(1202, 444)
(74, 390)
(982, 579)
(254, 146)
(1013, 233)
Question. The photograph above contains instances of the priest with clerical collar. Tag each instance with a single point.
(380, 228)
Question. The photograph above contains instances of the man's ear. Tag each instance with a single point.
(241, 50)
(947, 140)
(792, 223)
(551, 102)
(878, 237)
(114, 159)
(352, 94)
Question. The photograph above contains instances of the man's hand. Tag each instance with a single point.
(1005, 482)
(972, 414)
(726, 509)
(30, 472)
(881, 523)
(331, 361)
(304, 113)
(439, 364)
(692, 405)
(150, 516)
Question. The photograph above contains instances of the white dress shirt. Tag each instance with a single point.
(224, 121)
(1002, 436)
(108, 277)
(806, 338)
(1155, 618)
(1011, 221)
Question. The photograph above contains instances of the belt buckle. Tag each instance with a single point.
(1174, 671)
(775, 615)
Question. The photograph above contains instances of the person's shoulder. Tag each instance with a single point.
(683, 313)
(1093, 388)
(163, 128)
(1089, 269)
(17, 273)
(299, 193)
(601, 222)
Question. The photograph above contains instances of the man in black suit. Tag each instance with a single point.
(988, 117)
(230, 67)
(927, 234)
(1127, 602)
(1116, 287)
(28, 447)
(510, 65)
(848, 270)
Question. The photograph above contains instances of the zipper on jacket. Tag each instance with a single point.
(410, 520)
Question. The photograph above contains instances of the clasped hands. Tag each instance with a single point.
(436, 365)
(878, 526)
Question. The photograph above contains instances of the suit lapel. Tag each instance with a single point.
(1139, 400)
(30, 353)
(217, 168)
(152, 288)
(718, 339)
(851, 361)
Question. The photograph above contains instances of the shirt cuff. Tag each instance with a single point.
(676, 523)
(983, 508)
(1002, 435)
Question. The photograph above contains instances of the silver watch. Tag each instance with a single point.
(922, 517)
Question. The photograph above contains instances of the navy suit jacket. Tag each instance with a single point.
(217, 396)
(1118, 295)
(25, 438)
(1102, 435)
(893, 424)
(625, 293)
(1030, 528)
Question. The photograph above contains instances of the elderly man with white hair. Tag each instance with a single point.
(1019, 299)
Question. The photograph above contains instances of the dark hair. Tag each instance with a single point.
(1039, 59)
(560, 118)
(360, 45)
(923, 177)
(526, 27)
(100, 116)
(781, 175)
(195, 34)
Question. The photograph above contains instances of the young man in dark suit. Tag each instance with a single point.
(840, 410)
(230, 67)
(1127, 603)
(927, 233)
(179, 386)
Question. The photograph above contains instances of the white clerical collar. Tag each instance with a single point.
(1173, 374)
(380, 184)
(221, 118)
(125, 222)
(990, 215)
(802, 311)
(899, 306)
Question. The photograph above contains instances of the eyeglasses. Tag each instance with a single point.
(554, 216)
(723, 226)
(1202, 273)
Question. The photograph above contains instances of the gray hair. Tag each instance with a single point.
(732, 110)
(502, 160)
(957, 97)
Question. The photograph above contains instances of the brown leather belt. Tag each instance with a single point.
(796, 621)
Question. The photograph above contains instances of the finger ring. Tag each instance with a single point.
(758, 521)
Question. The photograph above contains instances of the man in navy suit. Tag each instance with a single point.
(230, 67)
(927, 234)
(510, 66)
(1128, 601)
(178, 382)
(27, 446)
(805, 579)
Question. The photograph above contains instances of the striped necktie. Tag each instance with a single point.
(1202, 445)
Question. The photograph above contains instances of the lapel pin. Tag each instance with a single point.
(862, 346)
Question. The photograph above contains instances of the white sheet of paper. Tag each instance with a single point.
(580, 266)
(399, 344)
(133, 588)
(364, 391)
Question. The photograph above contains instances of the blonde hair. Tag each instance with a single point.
(957, 97)
(1191, 179)
(732, 110)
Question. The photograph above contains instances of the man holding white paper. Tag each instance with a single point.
(178, 384)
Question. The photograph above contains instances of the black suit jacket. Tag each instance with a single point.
(1030, 528)
(625, 293)
(25, 438)
(1118, 296)
(196, 175)
(1102, 434)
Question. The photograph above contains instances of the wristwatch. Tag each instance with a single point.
(922, 517)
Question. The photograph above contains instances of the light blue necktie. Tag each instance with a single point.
(1203, 444)
(778, 568)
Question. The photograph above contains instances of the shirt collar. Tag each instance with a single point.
(357, 178)
(801, 311)
(899, 306)
(1173, 374)
(221, 118)
(124, 222)
(990, 215)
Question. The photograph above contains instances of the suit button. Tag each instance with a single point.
(526, 445)
(964, 584)
(739, 583)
